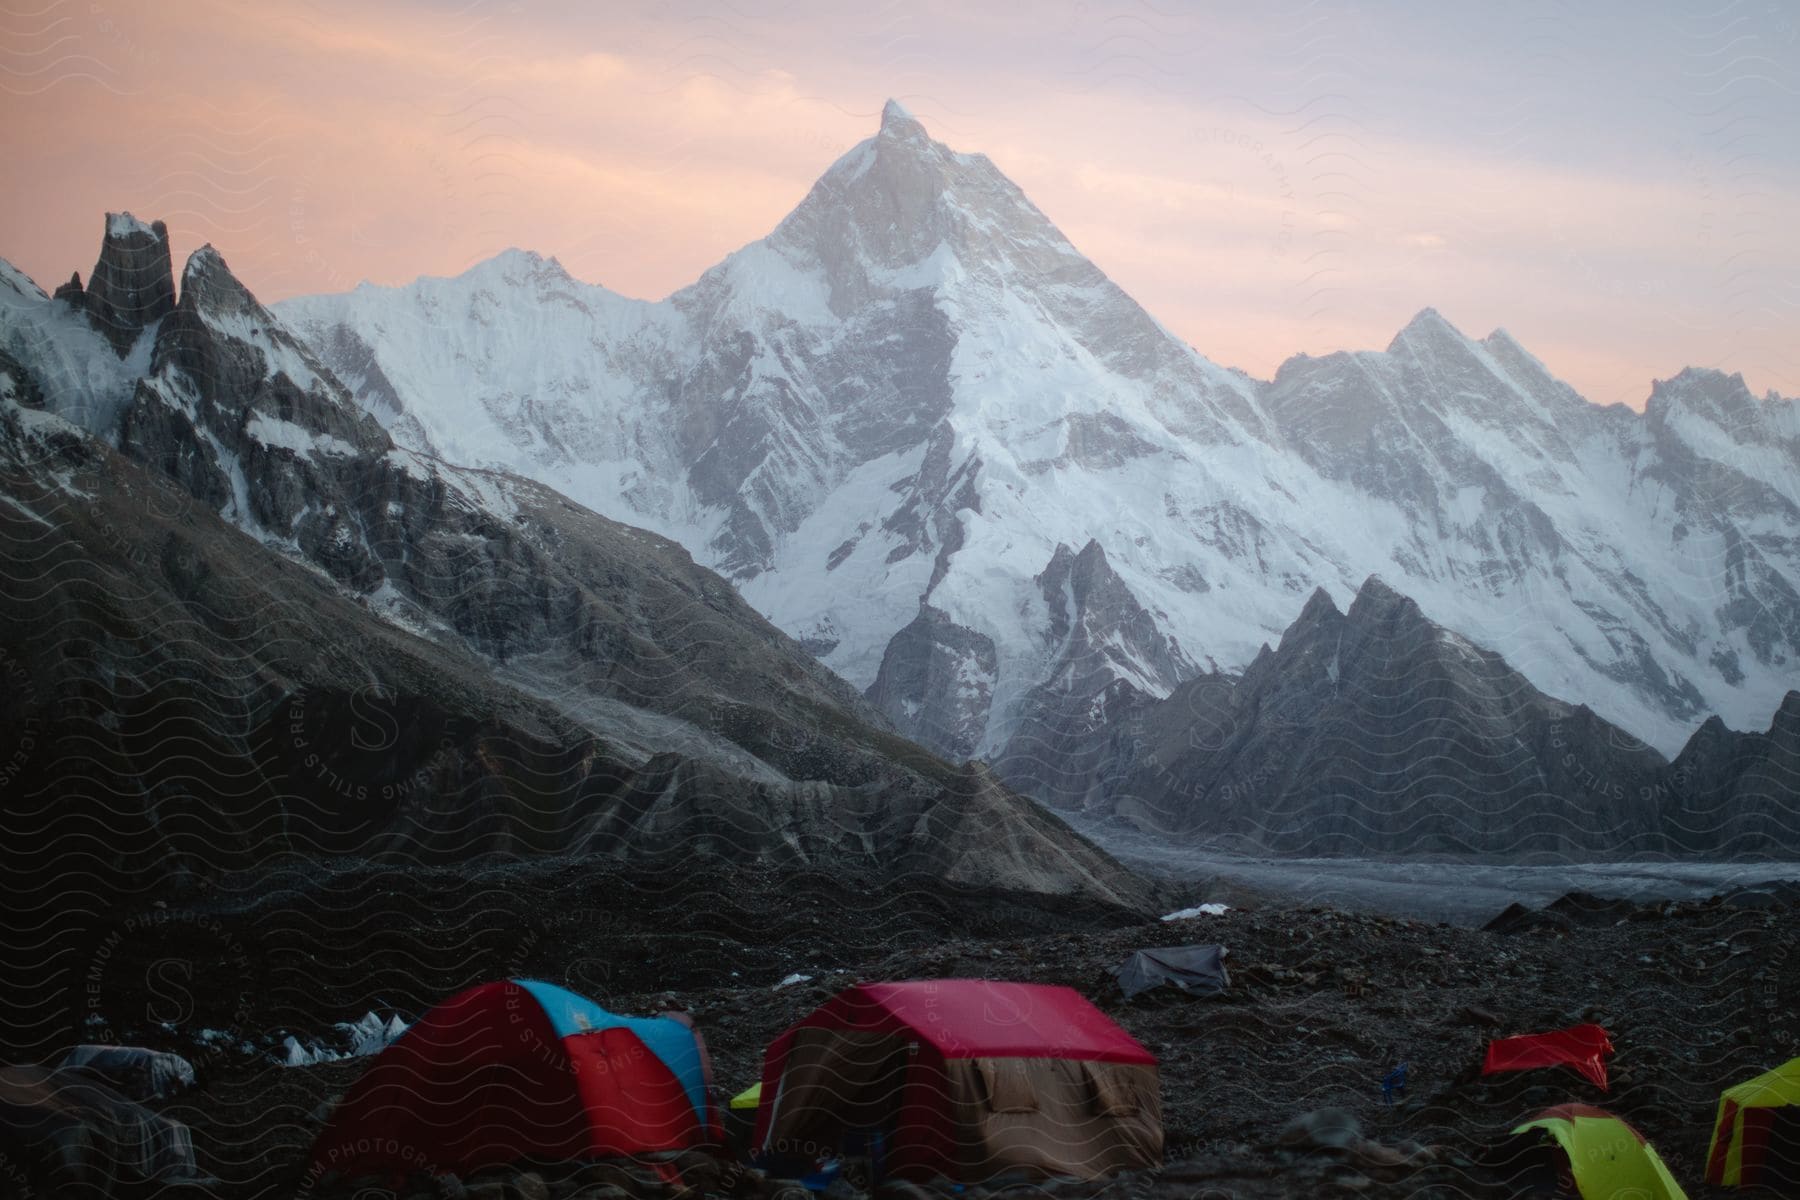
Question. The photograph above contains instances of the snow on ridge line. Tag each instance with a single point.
(123, 224)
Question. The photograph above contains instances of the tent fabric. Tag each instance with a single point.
(520, 1069)
(1608, 1159)
(966, 1018)
(750, 1097)
(1756, 1138)
(69, 1131)
(1584, 1048)
(1199, 970)
(964, 1078)
(668, 1037)
(134, 1071)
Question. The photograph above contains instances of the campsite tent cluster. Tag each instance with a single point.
(966, 1080)
(959, 1078)
(1577, 1150)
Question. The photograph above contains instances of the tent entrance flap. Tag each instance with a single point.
(971, 1079)
(1781, 1152)
(1756, 1139)
(837, 1082)
(1054, 1116)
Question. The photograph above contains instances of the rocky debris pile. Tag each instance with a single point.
(1579, 908)
(1335, 1134)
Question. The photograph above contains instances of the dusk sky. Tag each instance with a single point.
(1616, 184)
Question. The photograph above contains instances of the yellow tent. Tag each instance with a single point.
(1607, 1157)
(750, 1097)
(1756, 1141)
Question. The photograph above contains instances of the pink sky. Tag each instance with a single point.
(1619, 195)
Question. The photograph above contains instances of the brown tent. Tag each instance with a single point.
(970, 1079)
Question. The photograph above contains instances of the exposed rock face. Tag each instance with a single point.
(938, 678)
(1712, 447)
(245, 418)
(71, 292)
(1108, 659)
(1377, 731)
(17, 384)
(1739, 793)
(132, 285)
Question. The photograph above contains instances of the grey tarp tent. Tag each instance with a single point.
(133, 1071)
(1198, 970)
(66, 1131)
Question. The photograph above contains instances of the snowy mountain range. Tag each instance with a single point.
(240, 624)
(927, 437)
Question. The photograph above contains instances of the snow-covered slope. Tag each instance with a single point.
(260, 627)
(884, 421)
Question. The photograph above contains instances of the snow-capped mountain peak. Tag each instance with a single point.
(901, 211)
(884, 419)
(1427, 328)
(124, 225)
(896, 117)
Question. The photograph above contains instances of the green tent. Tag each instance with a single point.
(1608, 1159)
(1756, 1141)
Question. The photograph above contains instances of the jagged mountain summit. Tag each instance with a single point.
(888, 419)
(1377, 731)
(247, 625)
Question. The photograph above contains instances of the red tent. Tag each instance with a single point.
(1582, 1047)
(965, 1078)
(521, 1069)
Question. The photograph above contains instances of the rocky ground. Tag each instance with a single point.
(1322, 1004)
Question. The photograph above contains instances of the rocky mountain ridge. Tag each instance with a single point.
(1375, 731)
(883, 420)
(254, 627)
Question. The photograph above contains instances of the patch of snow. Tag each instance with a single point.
(1199, 910)
(791, 980)
(123, 224)
(355, 1039)
(286, 435)
(82, 379)
(20, 282)
(281, 355)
